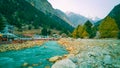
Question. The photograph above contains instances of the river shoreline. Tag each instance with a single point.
(19, 46)
(83, 53)
(92, 53)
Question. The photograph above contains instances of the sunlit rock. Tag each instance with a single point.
(65, 63)
(34, 64)
(55, 58)
(25, 64)
(47, 66)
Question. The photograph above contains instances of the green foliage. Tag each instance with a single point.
(94, 31)
(45, 31)
(119, 35)
(88, 28)
(20, 12)
(108, 28)
(85, 34)
(2, 25)
(115, 13)
(81, 29)
(80, 32)
(75, 32)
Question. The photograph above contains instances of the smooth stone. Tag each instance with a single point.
(25, 64)
(55, 58)
(34, 64)
(65, 63)
(107, 59)
(47, 66)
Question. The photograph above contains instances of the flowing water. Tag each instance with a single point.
(36, 55)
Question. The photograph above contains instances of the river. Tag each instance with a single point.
(36, 55)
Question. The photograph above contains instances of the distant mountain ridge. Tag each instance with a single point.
(71, 18)
(76, 19)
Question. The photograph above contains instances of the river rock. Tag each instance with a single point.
(85, 65)
(34, 64)
(107, 59)
(25, 64)
(30, 67)
(55, 58)
(65, 63)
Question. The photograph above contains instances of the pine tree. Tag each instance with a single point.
(88, 28)
(85, 34)
(44, 31)
(75, 32)
(2, 25)
(108, 28)
(80, 32)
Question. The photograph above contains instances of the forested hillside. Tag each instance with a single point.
(21, 14)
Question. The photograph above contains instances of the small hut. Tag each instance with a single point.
(7, 36)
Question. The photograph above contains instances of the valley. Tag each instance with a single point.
(36, 34)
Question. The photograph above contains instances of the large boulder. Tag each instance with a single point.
(65, 63)
(107, 59)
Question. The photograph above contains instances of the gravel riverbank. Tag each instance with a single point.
(92, 53)
(19, 46)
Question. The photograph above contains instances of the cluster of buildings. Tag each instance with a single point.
(7, 35)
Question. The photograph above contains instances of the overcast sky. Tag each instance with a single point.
(88, 8)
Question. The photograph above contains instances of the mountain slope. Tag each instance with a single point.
(109, 27)
(63, 16)
(115, 13)
(76, 19)
(21, 13)
(45, 7)
(42, 5)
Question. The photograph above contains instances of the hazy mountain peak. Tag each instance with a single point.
(95, 19)
(76, 19)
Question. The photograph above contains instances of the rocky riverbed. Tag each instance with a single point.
(90, 53)
(65, 53)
